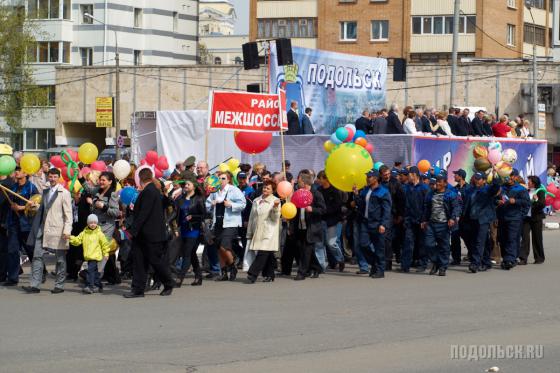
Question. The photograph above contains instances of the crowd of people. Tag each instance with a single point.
(403, 220)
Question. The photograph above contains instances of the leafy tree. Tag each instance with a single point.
(204, 56)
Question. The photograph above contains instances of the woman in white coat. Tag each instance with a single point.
(263, 233)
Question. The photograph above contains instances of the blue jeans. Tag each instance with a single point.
(437, 242)
(321, 254)
(213, 260)
(93, 275)
(479, 235)
(362, 262)
(372, 244)
(509, 235)
(332, 241)
(413, 237)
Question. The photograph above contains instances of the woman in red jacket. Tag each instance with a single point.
(501, 129)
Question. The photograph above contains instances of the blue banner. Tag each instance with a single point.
(454, 153)
(338, 87)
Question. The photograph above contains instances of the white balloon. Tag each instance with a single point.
(121, 169)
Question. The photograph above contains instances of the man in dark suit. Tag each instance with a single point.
(478, 124)
(306, 124)
(363, 123)
(293, 120)
(394, 124)
(307, 229)
(380, 123)
(465, 122)
(149, 238)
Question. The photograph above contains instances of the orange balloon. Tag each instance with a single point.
(424, 166)
(284, 189)
(361, 141)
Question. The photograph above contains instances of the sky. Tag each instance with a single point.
(242, 10)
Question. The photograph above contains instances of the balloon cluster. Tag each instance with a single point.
(231, 166)
(552, 195)
(494, 161)
(348, 134)
(158, 163)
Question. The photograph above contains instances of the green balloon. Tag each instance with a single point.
(7, 165)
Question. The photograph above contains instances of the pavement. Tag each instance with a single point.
(339, 322)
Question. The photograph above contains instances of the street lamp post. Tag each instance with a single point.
(535, 95)
(117, 88)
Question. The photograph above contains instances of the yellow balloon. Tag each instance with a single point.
(88, 153)
(113, 246)
(77, 186)
(30, 164)
(347, 165)
(223, 167)
(37, 198)
(118, 187)
(233, 164)
(328, 146)
(289, 211)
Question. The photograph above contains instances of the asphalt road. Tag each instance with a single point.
(337, 323)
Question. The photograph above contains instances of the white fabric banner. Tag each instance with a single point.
(181, 134)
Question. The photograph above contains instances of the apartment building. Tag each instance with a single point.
(418, 30)
(149, 32)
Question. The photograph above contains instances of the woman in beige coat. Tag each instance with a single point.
(263, 233)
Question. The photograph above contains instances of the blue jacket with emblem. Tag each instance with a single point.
(450, 204)
(379, 207)
(518, 210)
(479, 204)
(415, 196)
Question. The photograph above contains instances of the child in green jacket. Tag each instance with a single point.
(96, 249)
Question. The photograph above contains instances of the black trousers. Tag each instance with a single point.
(149, 254)
(389, 232)
(186, 249)
(307, 260)
(398, 240)
(74, 260)
(264, 262)
(532, 231)
(289, 253)
(111, 273)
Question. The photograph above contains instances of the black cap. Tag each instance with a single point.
(461, 173)
(372, 172)
(414, 170)
(403, 171)
(441, 176)
(478, 175)
(241, 175)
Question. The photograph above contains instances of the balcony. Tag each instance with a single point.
(441, 43)
(287, 9)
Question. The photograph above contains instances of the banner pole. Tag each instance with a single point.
(283, 152)
(206, 145)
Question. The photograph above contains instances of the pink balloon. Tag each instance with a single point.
(73, 154)
(556, 204)
(369, 148)
(284, 189)
(151, 157)
(158, 173)
(84, 171)
(143, 162)
(350, 134)
(548, 201)
(552, 189)
(98, 166)
(162, 163)
(137, 173)
(494, 156)
(302, 198)
(57, 162)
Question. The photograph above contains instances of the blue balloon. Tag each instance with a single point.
(335, 139)
(128, 195)
(359, 133)
(437, 170)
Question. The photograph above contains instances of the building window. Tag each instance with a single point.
(53, 52)
(289, 27)
(512, 4)
(67, 9)
(43, 96)
(48, 51)
(534, 34)
(380, 30)
(217, 61)
(439, 25)
(510, 36)
(138, 17)
(66, 52)
(44, 9)
(137, 58)
(39, 139)
(539, 4)
(86, 9)
(175, 21)
(348, 31)
(238, 61)
(86, 55)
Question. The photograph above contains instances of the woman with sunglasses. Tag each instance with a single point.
(263, 233)
(226, 206)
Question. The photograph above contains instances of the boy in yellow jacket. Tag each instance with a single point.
(96, 248)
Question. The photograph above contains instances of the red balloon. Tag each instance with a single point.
(369, 148)
(162, 163)
(57, 162)
(158, 173)
(302, 198)
(98, 166)
(143, 162)
(548, 201)
(73, 154)
(552, 189)
(252, 142)
(64, 173)
(151, 157)
(556, 204)
(350, 135)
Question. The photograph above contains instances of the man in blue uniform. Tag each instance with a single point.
(512, 208)
(374, 214)
(479, 212)
(441, 211)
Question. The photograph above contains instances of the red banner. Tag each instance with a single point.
(244, 111)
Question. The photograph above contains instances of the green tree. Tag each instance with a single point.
(204, 56)
(16, 76)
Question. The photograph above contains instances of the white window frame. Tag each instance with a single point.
(175, 22)
(137, 57)
(384, 23)
(510, 35)
(89, 9)
(138, 17)
(463, 19)
(344, 31)
(89, 56)
(512, 4)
